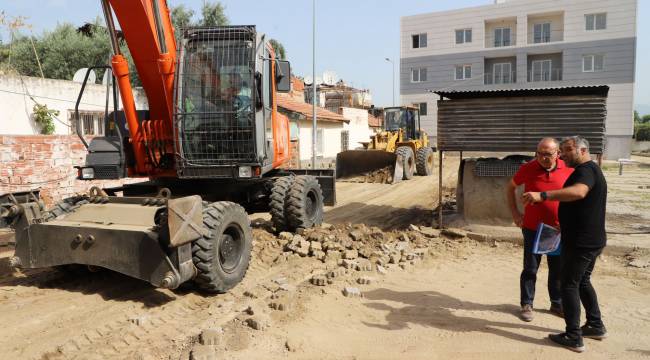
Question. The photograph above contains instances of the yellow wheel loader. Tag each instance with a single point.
(397, 152)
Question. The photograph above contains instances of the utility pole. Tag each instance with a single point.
(313, 85)
(391, 61)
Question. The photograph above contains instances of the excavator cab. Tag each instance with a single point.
(406, 119)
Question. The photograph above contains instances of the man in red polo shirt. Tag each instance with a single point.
(544, 173)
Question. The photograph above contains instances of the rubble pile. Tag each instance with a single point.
(358, 247)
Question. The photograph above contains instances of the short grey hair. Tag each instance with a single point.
(578, 141)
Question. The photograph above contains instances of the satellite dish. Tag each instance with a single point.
(330, 77)
(81, 74)
(308, 80)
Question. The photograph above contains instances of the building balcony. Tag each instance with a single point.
(545, 28)
(500, 78)
(545, 75)
(501, 32)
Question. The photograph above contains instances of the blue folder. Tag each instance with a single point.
(547, 241)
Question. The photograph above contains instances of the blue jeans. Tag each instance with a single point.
(529, 274)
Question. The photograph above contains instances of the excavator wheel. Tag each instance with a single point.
(409, 161)
(278, 202)
(424, 161)
(304, 203)
(222, 257)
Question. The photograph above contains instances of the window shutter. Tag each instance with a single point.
(589, 22)
(459, 72)
(415, 75)
(459, 36)
(601, 21)
(468, 72)
(538, 33)
(599, 62)
(423, 74)
(468, 35)
(423, 40)
(587, 63)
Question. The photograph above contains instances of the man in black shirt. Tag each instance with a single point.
(582, 222)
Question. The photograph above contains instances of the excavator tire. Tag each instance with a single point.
(409, 161)
(305, 203)
(278, 202)
(424, 161)
(222, 257)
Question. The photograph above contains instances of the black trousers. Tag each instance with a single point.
(528, 275)
(577, 266)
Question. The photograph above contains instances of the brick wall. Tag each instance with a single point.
(45, 161)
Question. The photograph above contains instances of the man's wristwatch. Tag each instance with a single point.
(543, 195)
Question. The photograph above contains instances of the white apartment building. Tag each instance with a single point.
(517, 44)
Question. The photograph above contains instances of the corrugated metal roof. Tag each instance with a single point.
(516, 123)
(286, 102)
(601, 90)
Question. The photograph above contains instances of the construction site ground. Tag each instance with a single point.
(436, 295)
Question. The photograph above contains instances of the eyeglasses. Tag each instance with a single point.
(546, 155)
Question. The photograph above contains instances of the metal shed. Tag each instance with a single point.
(513, 120)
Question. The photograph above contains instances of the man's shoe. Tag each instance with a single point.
(527, 313)
(571, 344)
(557, 310)
(591, 332)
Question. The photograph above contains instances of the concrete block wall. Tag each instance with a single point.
(28, 162)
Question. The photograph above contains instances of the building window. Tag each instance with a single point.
(418, 75)
(501, 37)
(542, 33)
(345, 140)
(596, 21)
(502, 73)
(91, 122)
(591, 63)
(463, 72)
(463, 36)
(542, 70)
(419, 41)
(423, 108)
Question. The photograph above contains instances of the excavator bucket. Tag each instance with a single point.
(371, 166)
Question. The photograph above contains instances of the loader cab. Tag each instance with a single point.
(405, 118)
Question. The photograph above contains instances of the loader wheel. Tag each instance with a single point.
(304, 203)
(222, 257)
(278, 202)
(424, 161)
(408, 161)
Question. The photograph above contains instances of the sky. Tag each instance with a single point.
(353, 37)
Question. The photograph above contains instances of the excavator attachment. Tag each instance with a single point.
(371, 166)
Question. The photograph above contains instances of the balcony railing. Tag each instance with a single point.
(500, 78)
(545, 75)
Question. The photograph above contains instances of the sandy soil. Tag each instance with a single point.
(460, 304)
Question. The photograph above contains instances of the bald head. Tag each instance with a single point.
(547, 151)
(548, 142)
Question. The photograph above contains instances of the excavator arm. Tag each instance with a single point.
(149, 34)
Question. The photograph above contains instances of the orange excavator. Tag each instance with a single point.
(210, 147)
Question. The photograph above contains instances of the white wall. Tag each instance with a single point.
(16, 105)
(440, 26)
(358, 126)
(331, 138)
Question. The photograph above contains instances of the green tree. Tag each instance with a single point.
(181, 18)
(645, 119)
(213, 15)
(280, 53)
(637, 118)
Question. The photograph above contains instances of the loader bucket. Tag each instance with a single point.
(372, 166)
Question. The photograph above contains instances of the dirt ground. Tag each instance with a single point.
(460, 301)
